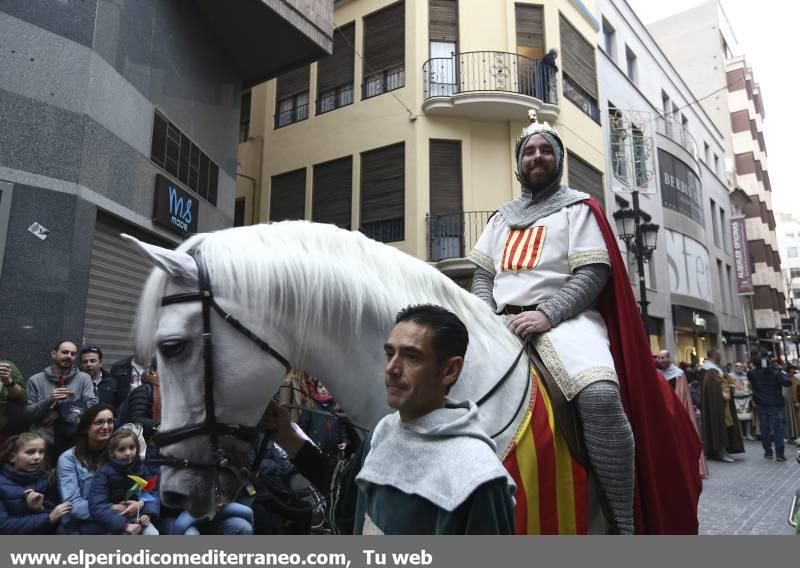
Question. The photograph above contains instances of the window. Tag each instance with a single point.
(723, 296)
(443, 36)
(726, 50)
(630, 64)
(723, 226)
(584, 177)
(332, 195)
(175, 153)
(578, 70)
(287, 196)
(238, 212)
(706, 153)
(292, 97)
(335, 73)
(447, 221)
(619, 164)
(530, 30)
(640, 157)
(791, 252)
(731, 292)
(383, 193)
(384, 51)
(609, 39)
(666, 104)
(244, 117)
(714, 223)
(716, 164)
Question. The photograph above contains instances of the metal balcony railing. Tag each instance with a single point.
(291, 116)
(453, 235)
(489, 71)
(676, 132)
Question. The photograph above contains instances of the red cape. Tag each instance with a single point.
(667, 479)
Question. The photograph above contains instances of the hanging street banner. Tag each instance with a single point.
(741, 256)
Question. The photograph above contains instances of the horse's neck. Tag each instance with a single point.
(353, 367)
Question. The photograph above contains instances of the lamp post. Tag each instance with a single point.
(640, 240)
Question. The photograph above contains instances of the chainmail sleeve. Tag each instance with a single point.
(610, 444)
(483, 286)
(579, 293)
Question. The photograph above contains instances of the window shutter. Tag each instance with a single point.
(337, 69)
(293, 82)
(578, 58)
(333, 194)
(384, 39)
(584, 177)
(443, 20)
(383, 184)
(445, 177)
(530, 26)
(287, 198)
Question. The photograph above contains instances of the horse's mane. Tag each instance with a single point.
(323, 270)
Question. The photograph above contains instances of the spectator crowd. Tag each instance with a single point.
(76, 441)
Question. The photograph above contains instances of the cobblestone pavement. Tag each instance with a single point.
(751, 496)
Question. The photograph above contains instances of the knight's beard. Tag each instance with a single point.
(537, 187)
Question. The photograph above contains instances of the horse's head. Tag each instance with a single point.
(240, 376)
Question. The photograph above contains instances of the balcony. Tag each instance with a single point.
(678, 134)
(451, 237)
(489, 85)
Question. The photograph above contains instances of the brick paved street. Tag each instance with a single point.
(751, 496)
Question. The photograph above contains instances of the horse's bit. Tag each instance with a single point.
(211, 427)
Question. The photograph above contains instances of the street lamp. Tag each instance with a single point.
(640, 240)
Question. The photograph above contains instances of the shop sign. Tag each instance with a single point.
(688, 266)
(174, 207)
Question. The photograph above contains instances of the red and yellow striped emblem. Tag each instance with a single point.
(552, 488)
(523, 248)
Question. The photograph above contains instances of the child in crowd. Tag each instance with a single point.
(27, 491)
(112, 485)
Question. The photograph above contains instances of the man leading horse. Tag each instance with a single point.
(544, 261)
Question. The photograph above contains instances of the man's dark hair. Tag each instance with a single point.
(62, 341)
(449, 335)
(92, 349)
(710, 352)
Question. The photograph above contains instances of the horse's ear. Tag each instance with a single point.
(177, 264)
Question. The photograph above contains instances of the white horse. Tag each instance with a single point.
(325, 299)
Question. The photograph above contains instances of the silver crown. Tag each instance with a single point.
(536, 127)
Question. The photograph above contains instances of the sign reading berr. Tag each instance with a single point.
(174, 207)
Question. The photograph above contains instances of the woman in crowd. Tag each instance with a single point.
(78, 465)
(27, 491)
(112, 488)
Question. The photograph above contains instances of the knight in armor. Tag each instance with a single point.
(543, 262)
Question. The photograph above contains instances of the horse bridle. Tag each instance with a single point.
(211, 426)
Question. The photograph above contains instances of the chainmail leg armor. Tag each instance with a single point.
(609, 442)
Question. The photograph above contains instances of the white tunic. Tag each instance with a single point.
(531, 265)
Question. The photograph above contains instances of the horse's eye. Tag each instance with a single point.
(171, 348)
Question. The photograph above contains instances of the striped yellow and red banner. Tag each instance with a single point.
(523, 248)
(552, 488)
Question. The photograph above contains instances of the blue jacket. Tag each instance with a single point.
(111, 484)
(15, 516)
(767, 386)
(75, 484)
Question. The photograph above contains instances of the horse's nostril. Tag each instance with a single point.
(174, 499)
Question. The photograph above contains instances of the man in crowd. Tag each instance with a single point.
(57, 397)
(129, 375)
(105, 386)
(669, 369)
(766, 384)
(13, 397)
(743, 399)
(721, 434)
(468, 491)
(548, 261)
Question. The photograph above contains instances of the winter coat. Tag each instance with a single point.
(12, 409)
(767, 386)
(108, 391)
(140, 409)
(41, 385)
(111, 485)
(15, 516)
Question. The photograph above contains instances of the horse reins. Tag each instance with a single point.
(500, 383)
(211, 426)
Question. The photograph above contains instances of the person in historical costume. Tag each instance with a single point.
(792, 408)
(721, 433)
(677, 379)
(742, 398)
(544, 261)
